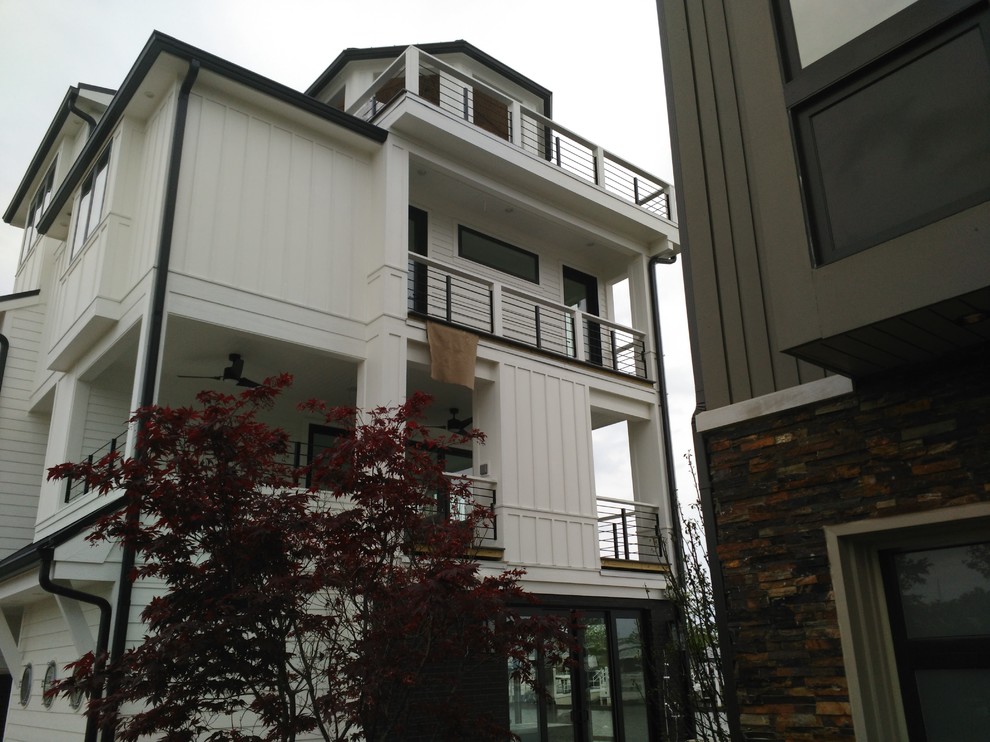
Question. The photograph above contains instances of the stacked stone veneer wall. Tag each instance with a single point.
(906, 442)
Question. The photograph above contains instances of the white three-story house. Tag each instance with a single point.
(204, 221)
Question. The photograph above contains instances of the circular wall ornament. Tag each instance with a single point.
(50, 673)
(26, 684)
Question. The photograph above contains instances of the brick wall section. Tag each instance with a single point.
(906, 442)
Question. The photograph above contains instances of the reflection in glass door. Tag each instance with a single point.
(604, 698)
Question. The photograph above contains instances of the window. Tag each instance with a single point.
(418, 272)
(821, 28)
(604, 697)
(912, 599)
(498, 255)
(939, 606)
(889, 136)
(90, 208)
(38, 205)
(322, 440)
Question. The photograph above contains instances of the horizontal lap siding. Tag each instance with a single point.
(23, 436)
(44, 637)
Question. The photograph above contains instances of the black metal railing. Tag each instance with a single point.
(76, 488)
(629, 531)
(480, 493)
(543, 325)
(475, 102)
(614, 347)
(452, 296)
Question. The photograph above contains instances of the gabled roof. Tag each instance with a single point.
(444, 47)
(160, 44)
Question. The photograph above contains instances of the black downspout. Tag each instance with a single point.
(668, 454)
(46, 552)
(153, 348)
(90, 121)
(668, 450)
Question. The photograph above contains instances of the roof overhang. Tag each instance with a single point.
(164, 61)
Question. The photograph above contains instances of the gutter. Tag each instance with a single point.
(90, 121)
(46, 552)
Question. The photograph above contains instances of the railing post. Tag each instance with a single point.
(449, 302)
(577, 330)
(556, 150)
(515, 122)
(467, 107)
(412, 70)
(636, 190)
(599, 166)
(671, 203)
(536, 313)
(625, 534)
(615, 540)
(495, 293)
(615, 352)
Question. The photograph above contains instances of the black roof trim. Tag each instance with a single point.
(157, 45)
(54, 129)
(27, 556)
(442, 47)
(96, 88)
(18, 295)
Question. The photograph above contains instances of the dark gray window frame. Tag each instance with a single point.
(881, 51)
(534, 278)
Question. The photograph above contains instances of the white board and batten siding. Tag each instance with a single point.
(270, 209)
(546, 477)
(23, 436)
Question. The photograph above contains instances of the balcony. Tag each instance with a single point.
(629, 535)
(76, 488)
(449, 89)
(438, 291)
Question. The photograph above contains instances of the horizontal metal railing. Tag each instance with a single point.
(487, 108)
(443, 292)
(479, 492)
(76, 488)
(629, 531)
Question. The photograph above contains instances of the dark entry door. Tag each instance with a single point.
(581, 292)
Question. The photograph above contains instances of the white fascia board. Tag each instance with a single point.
(773, 403)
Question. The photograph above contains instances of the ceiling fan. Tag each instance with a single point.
(458, 426)
(234, 372)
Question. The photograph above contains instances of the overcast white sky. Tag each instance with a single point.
(602, 61)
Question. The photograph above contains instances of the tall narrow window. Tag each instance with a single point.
(418, 276)
(39, 203)
(90, 208)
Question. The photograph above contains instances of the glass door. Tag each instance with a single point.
(581, 292)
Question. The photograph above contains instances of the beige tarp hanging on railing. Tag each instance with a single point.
(452, 354)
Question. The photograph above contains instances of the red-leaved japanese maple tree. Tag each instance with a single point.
(328, 600)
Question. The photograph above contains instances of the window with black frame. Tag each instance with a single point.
(39, 203)
(939, 608)
(604, 697)
(89, 209)
(889, 135)
(418, 272)
(497, 254)
(322, 439)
